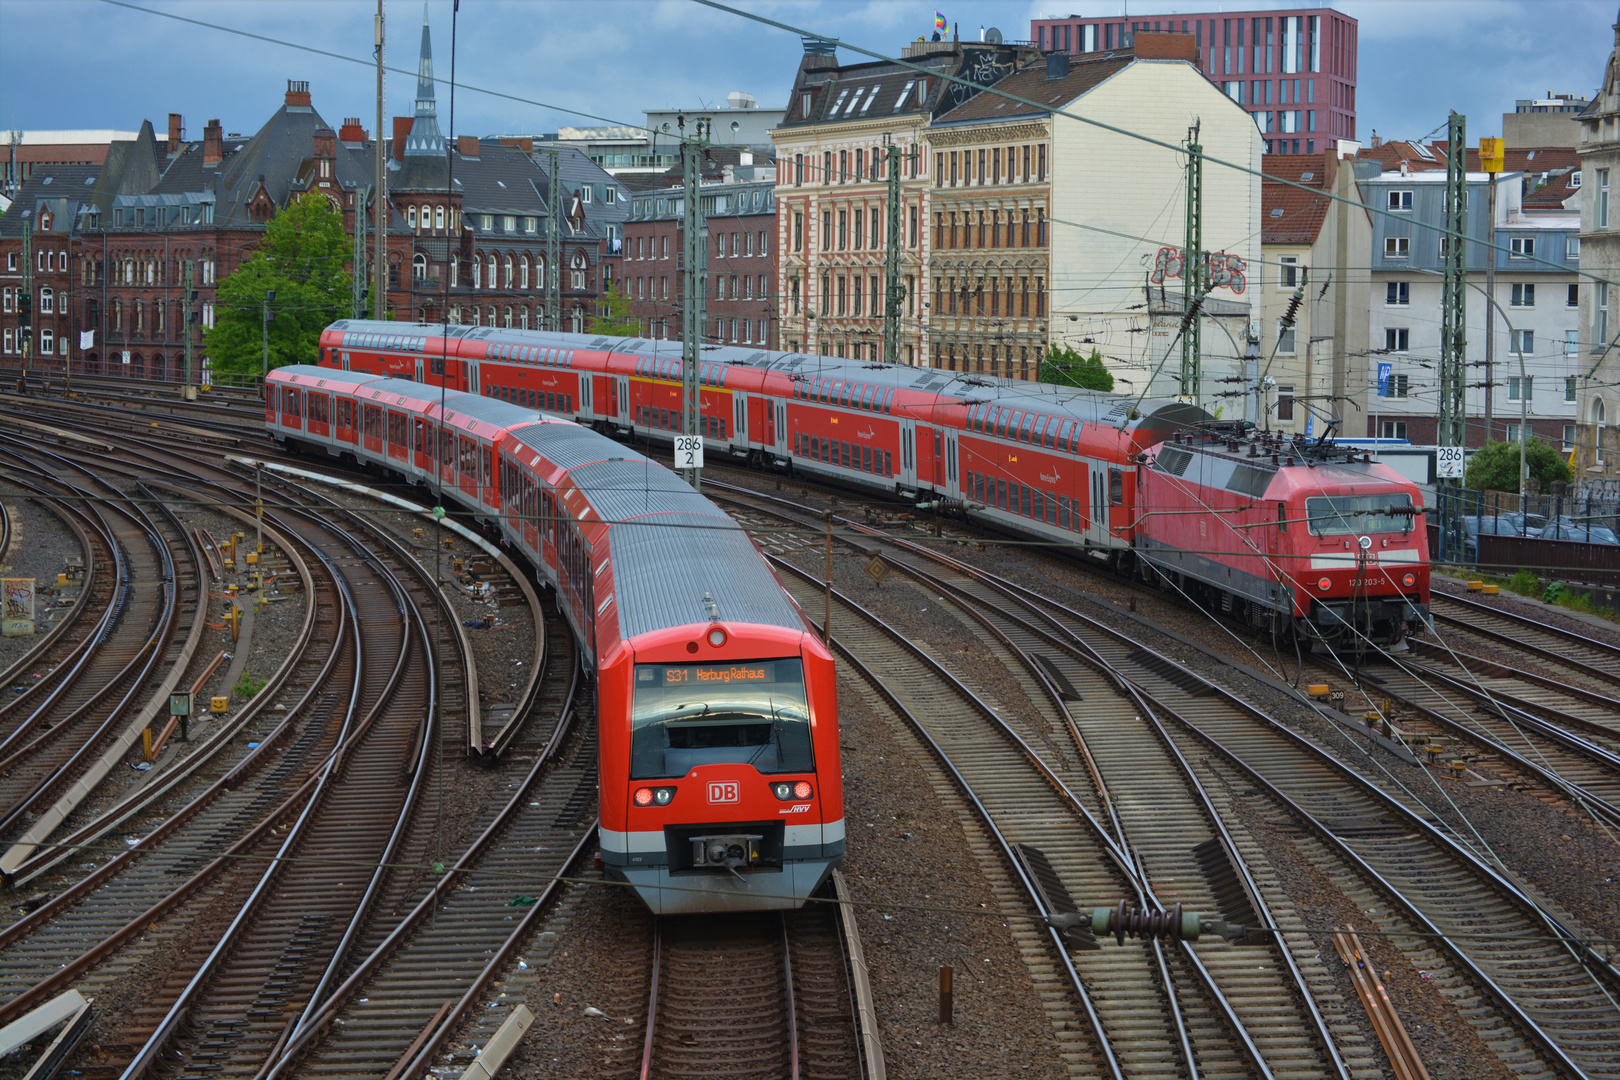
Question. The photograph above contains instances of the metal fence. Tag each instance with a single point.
(1466, 528)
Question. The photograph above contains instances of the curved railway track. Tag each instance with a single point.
(440, 948)
(55, 731)
(1539, 981)
(304, 818)
(1576, 652)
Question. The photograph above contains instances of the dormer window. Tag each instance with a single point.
(804, 106)
(585, 194)
(1400, 200)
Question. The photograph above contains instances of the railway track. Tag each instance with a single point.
(767, 994)
(1538, 983)
(288, 945)
(430, 954)
(1143, 1011)
(57, 729)
(1580, 655)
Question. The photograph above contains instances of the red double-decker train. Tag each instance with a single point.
(720, 781)
(1070, 467)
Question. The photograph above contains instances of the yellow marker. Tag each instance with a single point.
(146, 743)
(1475, 586)
(1317, 689)
(1491, 590)
(218, 704)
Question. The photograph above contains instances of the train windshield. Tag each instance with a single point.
(754, 713)
(1359, 515)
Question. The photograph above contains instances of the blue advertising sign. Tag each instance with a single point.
(1384, 371)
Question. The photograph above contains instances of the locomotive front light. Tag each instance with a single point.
(717, 637)
(1325, 584)
(788, 791)
(802, 790)
(654, 796)
(1409, 580)
(644, 796)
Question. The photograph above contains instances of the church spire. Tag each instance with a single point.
(425, 139)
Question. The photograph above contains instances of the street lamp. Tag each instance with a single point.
(269, 298)
(1524, 388)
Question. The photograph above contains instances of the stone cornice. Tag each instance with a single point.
(989, 135)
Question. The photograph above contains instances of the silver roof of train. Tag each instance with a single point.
(1089, 405)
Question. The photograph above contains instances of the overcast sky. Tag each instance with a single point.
(91, 64)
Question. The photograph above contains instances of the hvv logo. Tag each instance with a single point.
(724, 791)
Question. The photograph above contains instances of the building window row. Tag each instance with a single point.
(860, 165)
(992, 228)
(1022, 296)
(991, 165)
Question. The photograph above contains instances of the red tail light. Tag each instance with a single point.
(648, 796)
(1325, 584)
(1409, 580)
(802, 790)
(788, 791)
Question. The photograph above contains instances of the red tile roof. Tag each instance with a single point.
(1287, 214)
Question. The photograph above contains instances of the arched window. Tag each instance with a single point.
(523, 318)
(47, 301)
(477, 283)
(491, 313)
(509, 275)
(507, 315)
(129, 271)
(577, 266)
(438, 217)
(523, 272)
(1597, 422)
(410, 217)
(492, 284)
(427, 217)
(419, 267)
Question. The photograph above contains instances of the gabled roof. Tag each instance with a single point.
(1287, 214)
(1086, 73)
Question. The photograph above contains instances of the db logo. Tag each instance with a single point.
(724, 791)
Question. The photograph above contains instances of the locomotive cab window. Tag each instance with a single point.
(1357, 515)
(751, 713)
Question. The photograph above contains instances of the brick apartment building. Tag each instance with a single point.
(109, 244)
(740, 296)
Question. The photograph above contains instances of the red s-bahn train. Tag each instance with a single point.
(1067, 466)
(720, 780)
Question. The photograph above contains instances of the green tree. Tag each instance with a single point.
(617, 321)
(303, 260)
(1066, 367)
(1495, 466)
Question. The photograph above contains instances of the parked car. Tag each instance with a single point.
(1495, 525)
(1566, 529)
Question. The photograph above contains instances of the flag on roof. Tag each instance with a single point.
(939, 20)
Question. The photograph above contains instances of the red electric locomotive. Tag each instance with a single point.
(720, 781)
(1287, 535)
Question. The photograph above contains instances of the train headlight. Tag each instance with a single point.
(788, 791)
(717, 637)
(1325, 584)
(654, 796)
(802, 790)
(1409, 580)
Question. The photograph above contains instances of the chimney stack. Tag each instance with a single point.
(467, 145)
(402, 132)
(351, 131)
(524, 143)
(213, 143)
(177, 133)
(298, 93)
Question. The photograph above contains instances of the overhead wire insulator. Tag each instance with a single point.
(1123, 921)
